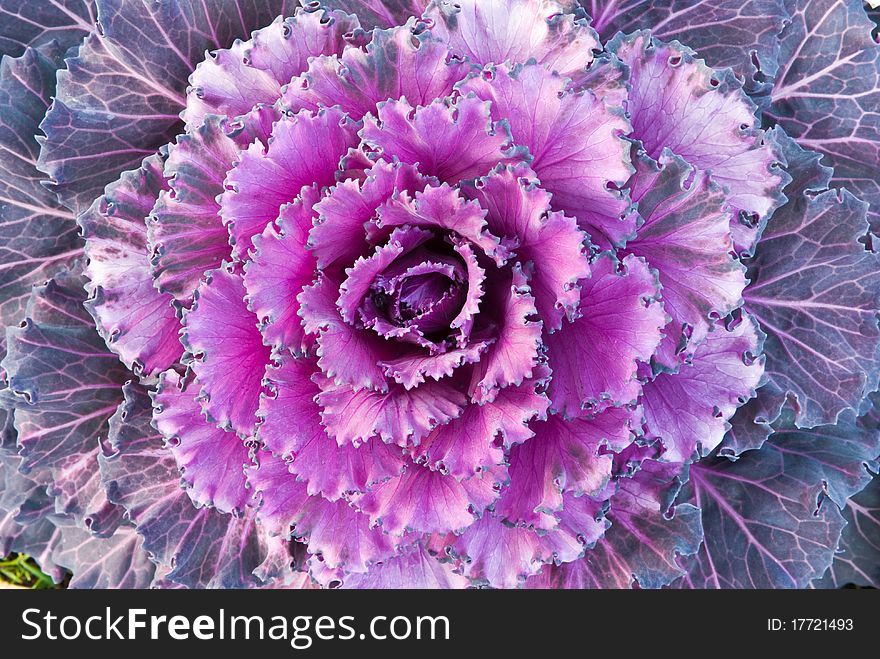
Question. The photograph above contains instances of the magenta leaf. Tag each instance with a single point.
(690, 410)
(290, 417)
(414, 368)
(397, 416)
(413, 568)
(594, 359)
(425, 501)
(286, 45)
(347, 354)
(474, 441)
(187, 237)
(549, 244)
(333, 530)
(397, 63)
(498, 555)
(513, 357)
(225, 85)
(281, 268)
(266, 177)
(671, 94)
(442, 207)
(502, 556)
(337, 237)
(292, 429)
(452, 140)
(494, 32)
(252, 73)
(137, 321)
(574, 141)
(364, 272)
(563, 456)
(222, 336)
(211, 461)
(686, 236)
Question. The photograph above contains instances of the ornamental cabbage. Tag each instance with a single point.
(508, 293)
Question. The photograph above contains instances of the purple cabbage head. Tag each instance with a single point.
(508, 293)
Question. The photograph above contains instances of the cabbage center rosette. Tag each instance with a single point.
(451, 305)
